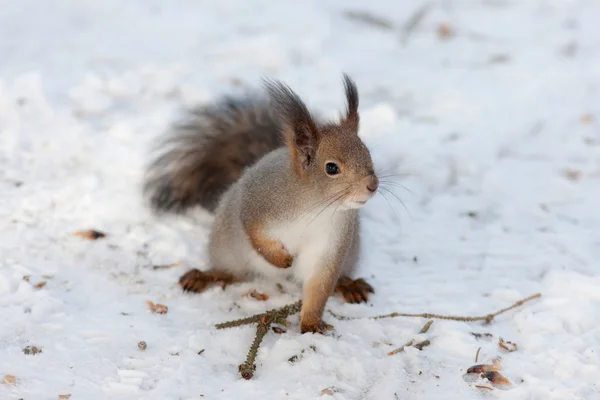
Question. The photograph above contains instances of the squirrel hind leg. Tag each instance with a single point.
(354, 290)
(197, 281)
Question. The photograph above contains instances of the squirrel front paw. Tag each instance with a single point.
(281, 258)
(315, 327)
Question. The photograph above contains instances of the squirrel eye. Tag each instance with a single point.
(332, 169)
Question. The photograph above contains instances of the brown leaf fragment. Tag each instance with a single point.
(572, 174)
(329, 391)
(90, 234)
(33, 350)
(142, 345)
(157, 308)
(257, 295)
(483, 368)
(10, 380)
(26, 278)
(445, 31)
(496, 378)
(64, 396)
(508, 346)
(484, 387)
(39, 285)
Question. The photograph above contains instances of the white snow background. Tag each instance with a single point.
(494, 130)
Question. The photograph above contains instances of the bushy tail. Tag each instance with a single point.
(208, 152)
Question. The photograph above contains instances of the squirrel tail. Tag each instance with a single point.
(208, 151)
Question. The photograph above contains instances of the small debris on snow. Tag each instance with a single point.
(10, 380)
(142, 345)
(257, 295)
(39, 285)
(278, 330)
(572, 174)
(168, 266)
(496, 378)
(445, 31)
(33, 350)
(482, 335)
(64, 396)
(157, 308)
(508, 346)
(90, 234)
(330, 390)
(483, 368)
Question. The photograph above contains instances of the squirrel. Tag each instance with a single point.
(285, 190)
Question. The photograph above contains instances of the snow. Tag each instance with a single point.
(493, 131)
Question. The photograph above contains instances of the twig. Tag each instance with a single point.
(486, 318)
(401, 348)
(275, 314)
(280, 315)
(248, 367)
(263, 324)
(425, 328)
(422, 344)
(412, 23)
(477, 354)
(419, 346)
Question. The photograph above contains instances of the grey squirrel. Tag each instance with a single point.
(285, 190)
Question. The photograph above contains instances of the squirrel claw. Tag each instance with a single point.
(320, 327)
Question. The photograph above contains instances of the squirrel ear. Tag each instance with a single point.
(352, 117)
(300, 132)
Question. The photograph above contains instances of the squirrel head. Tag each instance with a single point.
(331, 157)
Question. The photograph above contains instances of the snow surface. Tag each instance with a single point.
(494, 131)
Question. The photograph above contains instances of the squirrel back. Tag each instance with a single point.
(208, 151)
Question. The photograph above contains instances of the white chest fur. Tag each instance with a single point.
(312, 240)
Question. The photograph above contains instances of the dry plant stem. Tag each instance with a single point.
(263, 324)
(477, 354)
(420, 345)
(486, 318)
(424, 329)
(248, 367)
(274, 315)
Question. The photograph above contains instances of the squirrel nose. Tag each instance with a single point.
(372, 184)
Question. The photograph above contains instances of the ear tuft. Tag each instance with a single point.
(299, 129)
(352, 100)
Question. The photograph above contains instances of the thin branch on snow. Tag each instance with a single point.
(275, 315)
(263, 324)
(280, 315)
(486, 318)
(411, 342)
